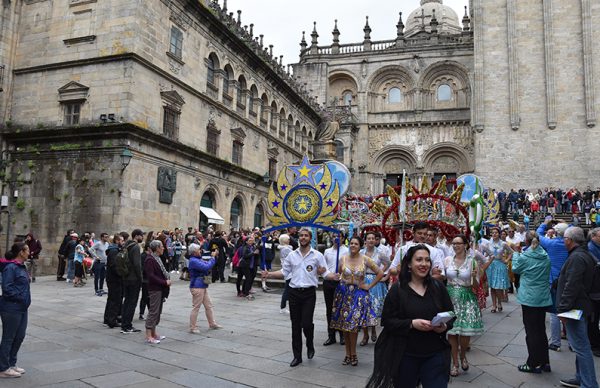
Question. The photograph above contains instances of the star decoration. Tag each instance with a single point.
(283, 187)
(323, 186)
(275, 203)
(305, 172)
(329, 203)
(302, 204)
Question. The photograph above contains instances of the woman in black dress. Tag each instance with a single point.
(410, 349)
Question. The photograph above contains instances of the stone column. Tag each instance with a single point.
(513, 64)
(588, 68)
(478, 110)
(549, 61)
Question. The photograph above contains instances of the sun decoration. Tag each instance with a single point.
(313, 195)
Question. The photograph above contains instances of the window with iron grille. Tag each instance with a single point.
(236, 153)
(176, 47)
(171, 122)
(72, 113)
(212, 142)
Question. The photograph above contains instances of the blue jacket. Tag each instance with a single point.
(594, 250)
(534, 267)
(555, 247)
(16, 295)
(199, 268)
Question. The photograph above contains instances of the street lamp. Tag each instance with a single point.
(126, 156)
(266, 178)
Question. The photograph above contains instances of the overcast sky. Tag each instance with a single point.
(282, 21)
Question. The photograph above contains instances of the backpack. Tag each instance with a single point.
(122, 262)
(236, 257)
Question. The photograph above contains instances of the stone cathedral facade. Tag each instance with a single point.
(507, 91)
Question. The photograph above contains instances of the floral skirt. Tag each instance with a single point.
(377, 294)
(468, 314)
(497, 274)
(351, 309)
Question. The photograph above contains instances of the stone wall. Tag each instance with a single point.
(534, 155)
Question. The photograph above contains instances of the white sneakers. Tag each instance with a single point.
(18, 370)
(284, 311)
(12, 372)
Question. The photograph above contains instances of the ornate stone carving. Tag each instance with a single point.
(445, 164)
(166, 184)
(174, 66)
(395, 166)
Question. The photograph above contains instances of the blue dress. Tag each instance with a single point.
(497, 272)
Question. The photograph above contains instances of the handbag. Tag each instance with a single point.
(207, 279)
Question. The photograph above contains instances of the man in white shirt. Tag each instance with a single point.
(329, 286)
(305, 264)
(432, 239)
(419, 237)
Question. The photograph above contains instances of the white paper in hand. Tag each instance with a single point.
(572, 314)
(441, 318)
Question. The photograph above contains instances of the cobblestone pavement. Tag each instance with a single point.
(68, 346)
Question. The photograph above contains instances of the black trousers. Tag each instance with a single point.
(534, 320)
(593, 331)
(244, 280)
(131, 293)
(114, 303)
(302, 309)
(218, 271)
(144, 300)
(329, 287)
(60, 269)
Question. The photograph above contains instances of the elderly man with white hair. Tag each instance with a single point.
(574, 285)
(200, 276)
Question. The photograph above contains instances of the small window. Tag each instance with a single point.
(210, 76)
(444, 93)
(212, 142)
(394, 96)
(176, 47)
(347, 98)
(273, 169)
(339, 151)
(236, 154)
(72, 113)
(170, 122)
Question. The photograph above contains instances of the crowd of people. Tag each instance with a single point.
(366, 283)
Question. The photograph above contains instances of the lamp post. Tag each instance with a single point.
(126, 156)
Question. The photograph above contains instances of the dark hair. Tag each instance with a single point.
(15, 250)
(306, 230)
(420, 225)
(464, 239)
(360, 240)
(103, 234)
(494, 228)
(149, 238)
(405, 271)
(370, 232)
(125, 235)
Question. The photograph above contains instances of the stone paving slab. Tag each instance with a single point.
(67, 345)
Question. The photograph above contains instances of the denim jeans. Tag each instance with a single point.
(14, 325)
(70, 269)
(555, 330)
(584, 359)
(99, 274)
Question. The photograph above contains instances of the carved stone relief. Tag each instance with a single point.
(166, 184)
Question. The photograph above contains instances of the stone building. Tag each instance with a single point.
(151, 114)
(506, 91)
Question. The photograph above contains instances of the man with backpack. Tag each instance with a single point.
(129, 268)
(574, 286)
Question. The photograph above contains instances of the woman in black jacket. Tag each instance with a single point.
(248, 261)
(410, 349)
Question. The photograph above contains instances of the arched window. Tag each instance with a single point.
(394, 96)
(209, 202)
(236, 214)
(347, 98)
(213, 65)
(444, 93)
(241, 91)
(228, 77)
(258, 216)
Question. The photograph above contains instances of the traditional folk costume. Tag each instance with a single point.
(352, 305)
(497, 272)
(379, 291)
(468, 321)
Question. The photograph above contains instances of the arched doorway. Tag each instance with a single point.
(236, 214)
(258, 216)
(208, 202)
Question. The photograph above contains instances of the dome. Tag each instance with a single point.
(448, 22)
